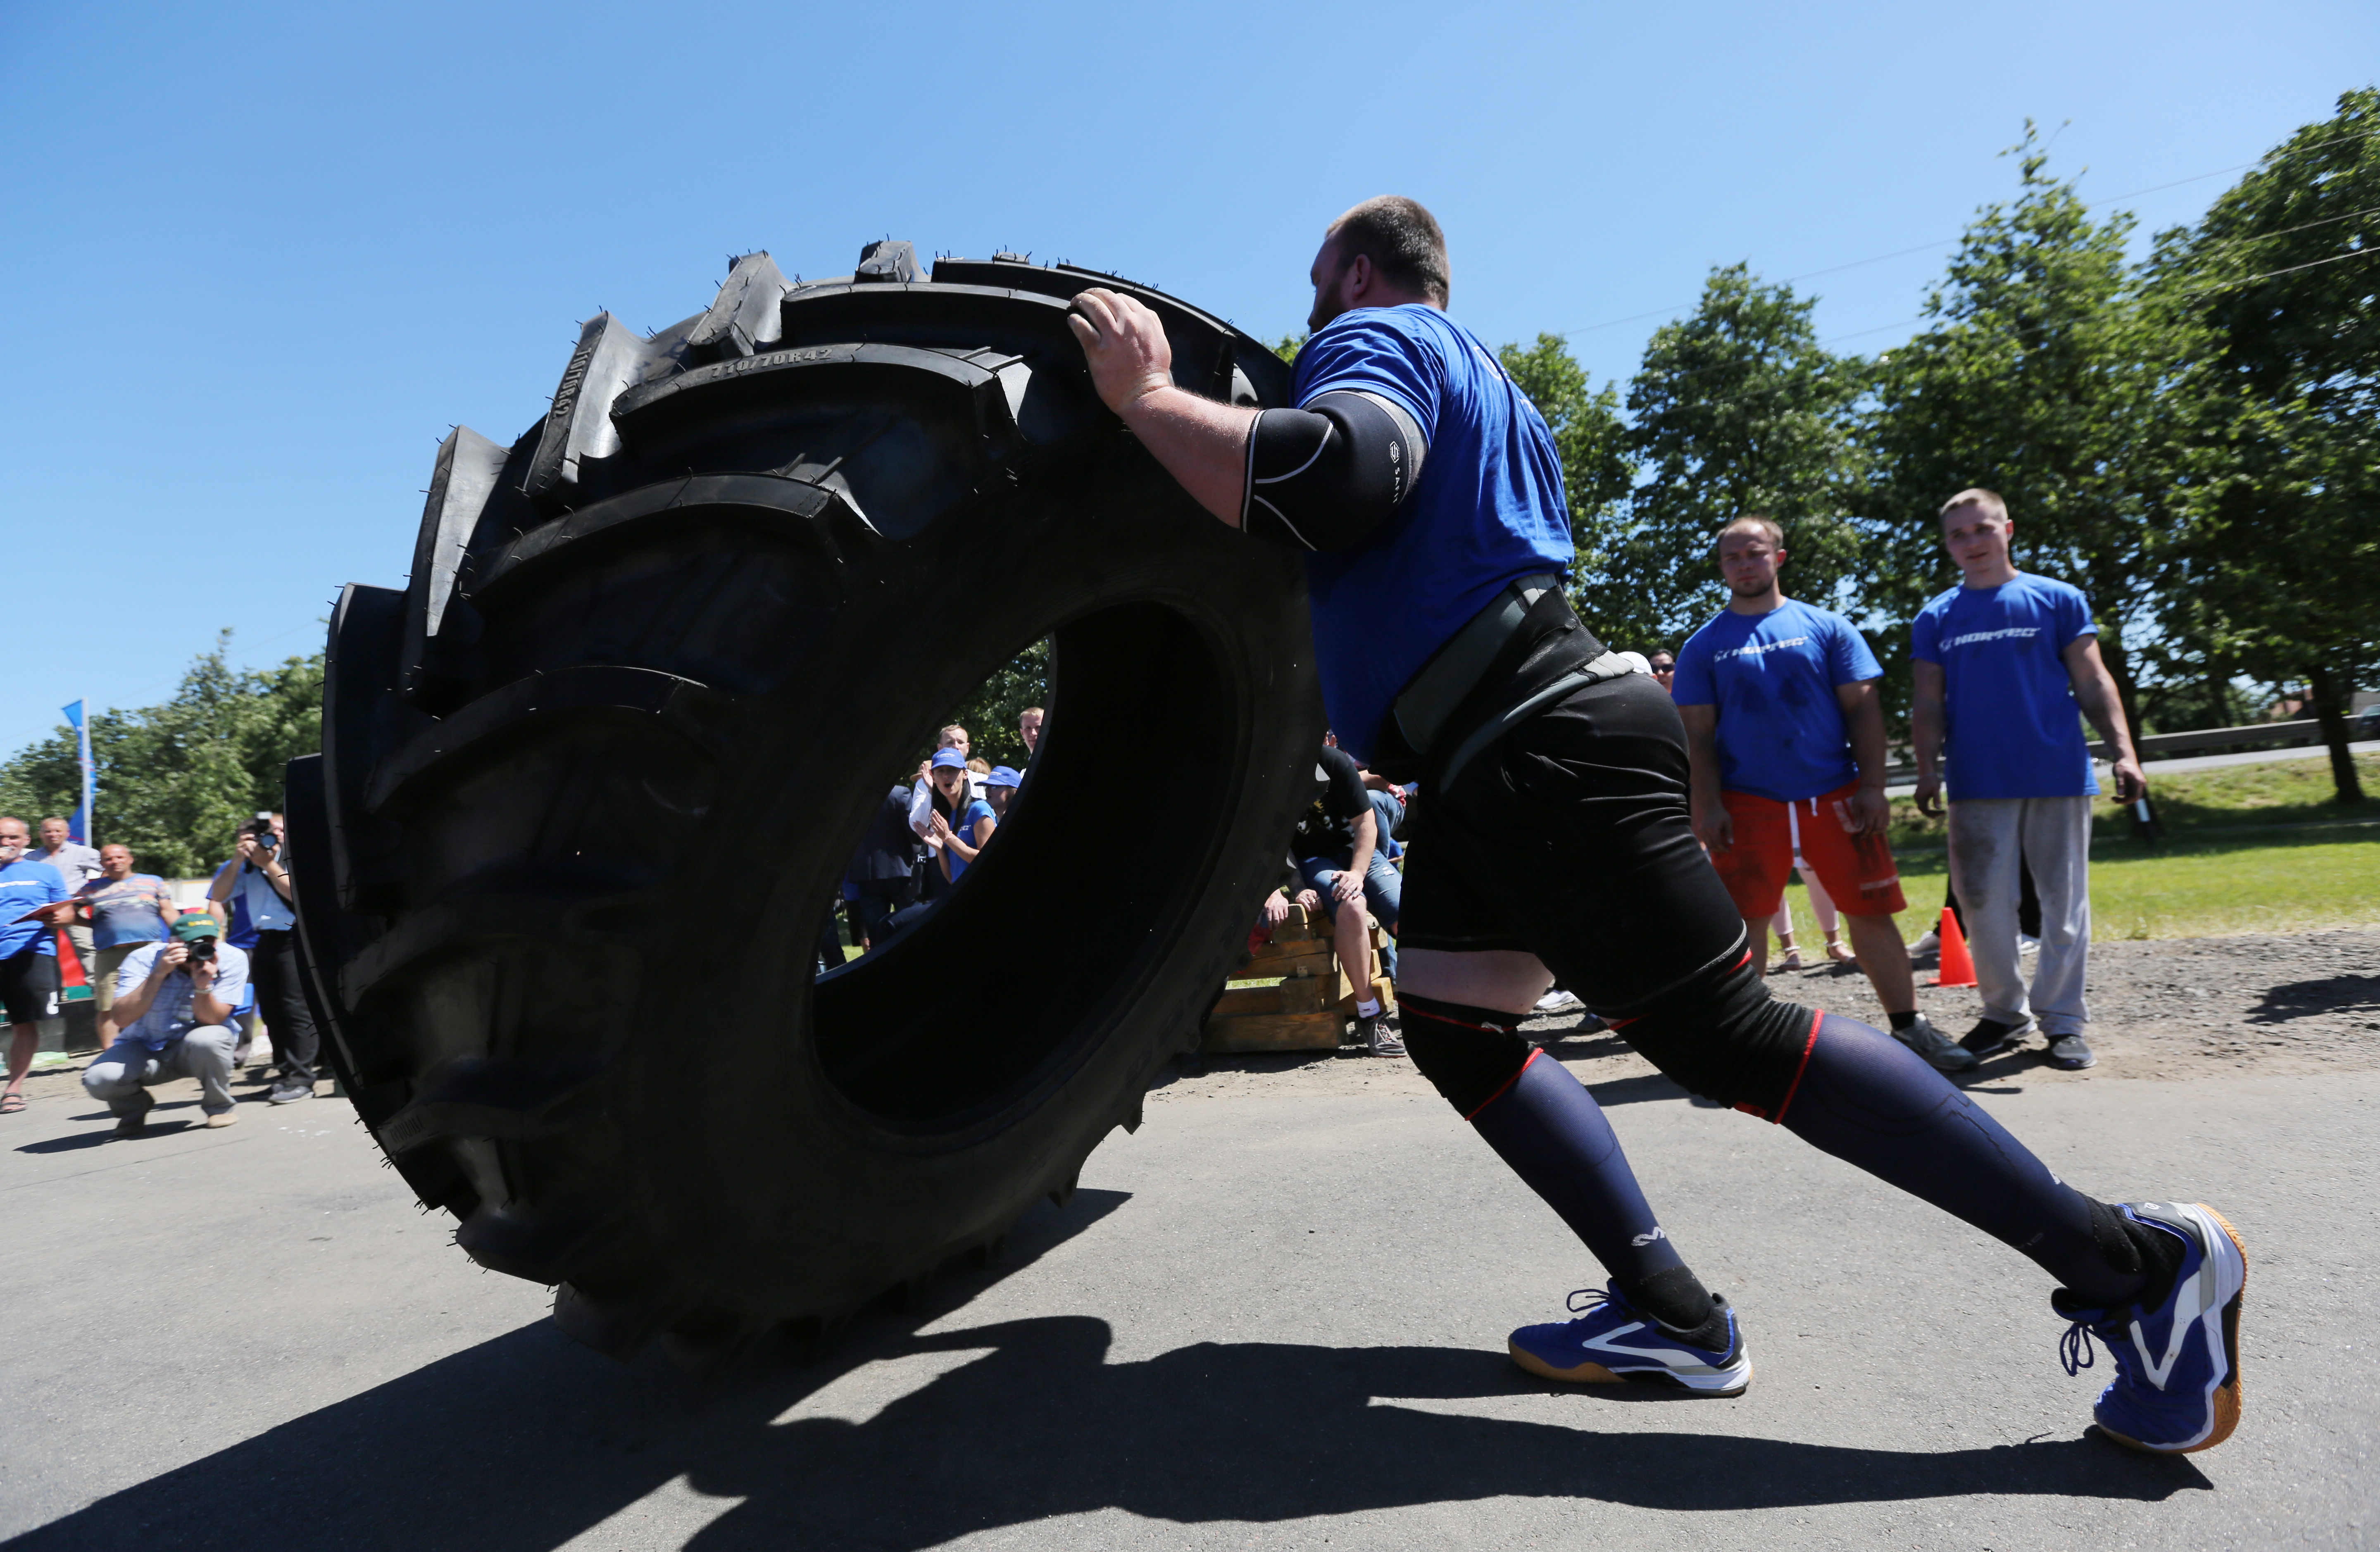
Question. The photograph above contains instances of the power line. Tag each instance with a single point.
(1945, 242)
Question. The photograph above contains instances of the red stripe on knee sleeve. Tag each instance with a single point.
(1502, 1086)
(1817, 1017)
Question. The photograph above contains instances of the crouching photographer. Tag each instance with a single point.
(171, 1019)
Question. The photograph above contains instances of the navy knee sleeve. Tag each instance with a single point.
(1470, 1054)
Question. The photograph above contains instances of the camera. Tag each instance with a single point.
(261, 827)
(202, 949)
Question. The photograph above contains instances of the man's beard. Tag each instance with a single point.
(1752, 590)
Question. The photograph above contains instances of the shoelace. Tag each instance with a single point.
(2074, 1348)
(1596, 1299)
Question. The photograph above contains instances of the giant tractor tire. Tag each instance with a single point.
(590, 781)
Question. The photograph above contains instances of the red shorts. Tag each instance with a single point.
(1857, 870)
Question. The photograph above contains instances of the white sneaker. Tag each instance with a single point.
(1559, 1001)
(1930, 943)
(2025, 945)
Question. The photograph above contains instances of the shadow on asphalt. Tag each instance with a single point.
(527, 1441)
(2332, 994)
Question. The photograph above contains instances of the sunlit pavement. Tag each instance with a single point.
(1265, 1321)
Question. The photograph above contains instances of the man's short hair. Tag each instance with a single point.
(1031, 711)
(945, 735)
(53, 819)
(1758, 521)
(1976, 496)
(1402, 241)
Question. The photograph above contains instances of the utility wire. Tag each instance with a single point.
(1945, 242)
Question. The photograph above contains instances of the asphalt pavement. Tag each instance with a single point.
(1271, 1318)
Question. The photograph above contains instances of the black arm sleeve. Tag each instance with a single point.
(1325, 477)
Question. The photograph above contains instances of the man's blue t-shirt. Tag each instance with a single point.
(2013, 729)
(1488, 507)
(1772, 677)
(24, 884)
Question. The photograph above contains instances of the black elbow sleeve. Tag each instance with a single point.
(1325, 477)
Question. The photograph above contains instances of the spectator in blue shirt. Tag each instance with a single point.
(1785, 737)
(960, 824)
(28, 953)
(2007, 665)
(255, 885)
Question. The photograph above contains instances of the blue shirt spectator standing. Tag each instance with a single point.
(960, 824)
(29, 953)
(1785, 740)
(2007, 665)
(171, 1018)
(257, 880)
(127, 909)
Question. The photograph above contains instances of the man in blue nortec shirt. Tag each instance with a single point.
(28, 953)
(1551, 837)
(2003, 664)
(1787, 740)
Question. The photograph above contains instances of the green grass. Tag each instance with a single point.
(2201, 886)
(2295, 792)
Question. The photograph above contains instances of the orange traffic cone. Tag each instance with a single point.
(1957, 970)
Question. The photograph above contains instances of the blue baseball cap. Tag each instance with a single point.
(945, 759)
(1002, 777)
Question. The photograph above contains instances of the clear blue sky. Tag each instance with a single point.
(259, 256)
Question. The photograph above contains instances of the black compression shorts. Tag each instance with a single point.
(1568, 838)
(29, 986)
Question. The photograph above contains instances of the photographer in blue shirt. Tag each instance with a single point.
(1551, 836)
(2004, 662)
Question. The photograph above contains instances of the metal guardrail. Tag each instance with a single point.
(2254, 736)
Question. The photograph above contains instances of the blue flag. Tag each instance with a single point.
(79, 825)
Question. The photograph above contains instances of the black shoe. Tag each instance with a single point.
(132, 1123)
(1990, 1037)
(2072, 1052)
(289, 1093)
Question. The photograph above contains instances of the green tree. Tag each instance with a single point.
(2276, 289)
(1737, 410)
(176, 780)
(989, 715)
(2043, 379)
(1591, 441)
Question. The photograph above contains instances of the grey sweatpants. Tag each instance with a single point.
(125, 1068)
(2053, 834)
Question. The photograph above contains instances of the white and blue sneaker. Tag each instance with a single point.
(2177, 1385)
(1610, 1341)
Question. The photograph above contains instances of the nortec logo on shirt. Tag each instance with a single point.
(1972, 637)
(1754, 650)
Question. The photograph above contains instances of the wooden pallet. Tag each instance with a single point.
(1308, 998)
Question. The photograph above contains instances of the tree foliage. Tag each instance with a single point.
(2041, 378)
(1737, 410)
(2277, 291)
(176, 780)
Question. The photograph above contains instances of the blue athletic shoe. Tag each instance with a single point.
(2177, 1385)
(1612, 1342)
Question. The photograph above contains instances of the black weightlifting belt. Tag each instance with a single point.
(1513, 659)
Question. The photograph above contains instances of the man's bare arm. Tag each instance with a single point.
(1926, 733)
(1201, 444)
(1864, 723)
(1706, 799)
(2094, 691)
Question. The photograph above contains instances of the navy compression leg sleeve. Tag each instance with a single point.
(1544, 1124)
(1872, 1102)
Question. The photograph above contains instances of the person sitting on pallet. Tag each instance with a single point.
(1336, 850)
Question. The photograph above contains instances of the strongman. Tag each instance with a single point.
(1552, 839)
